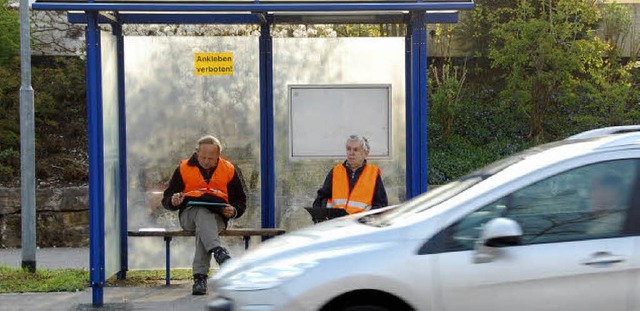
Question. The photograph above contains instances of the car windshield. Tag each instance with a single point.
(440, 194)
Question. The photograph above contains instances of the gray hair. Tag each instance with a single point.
(209, 140)
(362, 139)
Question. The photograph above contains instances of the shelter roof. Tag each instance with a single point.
(261, 11)
(261, 6)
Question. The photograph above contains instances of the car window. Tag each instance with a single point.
(585, 203)
(440, 194)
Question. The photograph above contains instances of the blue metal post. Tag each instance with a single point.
(167, 260)
(96, 160)
(122, 154)
(267, 165)
(417, 160)
(408, 105)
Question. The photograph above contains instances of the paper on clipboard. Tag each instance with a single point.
(152, 230)
(213, 207)
(201, 203)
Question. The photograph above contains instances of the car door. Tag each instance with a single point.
(570, 257)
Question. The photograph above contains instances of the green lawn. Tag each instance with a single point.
(16, 280)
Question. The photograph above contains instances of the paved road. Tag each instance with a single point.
(49, 258)
(177, 296)
(174, 297)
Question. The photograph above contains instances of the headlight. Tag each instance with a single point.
(274, 273)
(268, 276)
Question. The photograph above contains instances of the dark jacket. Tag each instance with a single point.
(325, 193)
(235, 188)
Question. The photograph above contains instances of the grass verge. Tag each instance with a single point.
(17, 280)
(149, 277)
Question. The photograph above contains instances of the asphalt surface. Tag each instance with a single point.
(177, 296)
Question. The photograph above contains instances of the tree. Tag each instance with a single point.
(554, 67)
(615, 25)
(9, 86)
(9, 32)
(52, 34)
(60, 113)
(446, 82)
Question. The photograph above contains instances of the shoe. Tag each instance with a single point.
(199, 284)
(221, 255)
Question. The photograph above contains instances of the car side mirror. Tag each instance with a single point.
(496, 233)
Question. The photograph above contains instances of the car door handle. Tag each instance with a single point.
(603, 259)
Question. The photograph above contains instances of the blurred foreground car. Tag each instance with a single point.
(553, 228)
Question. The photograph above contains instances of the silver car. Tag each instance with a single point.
(556, 227)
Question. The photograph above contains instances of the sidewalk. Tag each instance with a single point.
(177, 296)
(49, 258)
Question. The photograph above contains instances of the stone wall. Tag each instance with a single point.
(62, 217)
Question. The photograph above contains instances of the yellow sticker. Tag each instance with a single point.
(214, 64)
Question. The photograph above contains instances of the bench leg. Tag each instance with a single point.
(246, 239)
(167, 241)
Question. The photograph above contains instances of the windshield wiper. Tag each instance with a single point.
(373, 220)
(481, 176)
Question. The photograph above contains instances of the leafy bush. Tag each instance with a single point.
(9, 33)
(9, 126)
(60, 120)
(459, 156)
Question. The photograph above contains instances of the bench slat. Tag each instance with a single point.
(245, 233)
(226, 232)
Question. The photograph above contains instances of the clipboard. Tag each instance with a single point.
(320, 214)
(214, 207)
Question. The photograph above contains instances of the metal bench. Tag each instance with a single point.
(245, 233)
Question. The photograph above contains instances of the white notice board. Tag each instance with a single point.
(321, 118)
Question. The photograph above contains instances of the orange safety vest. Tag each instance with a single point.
(360, 197)
(195, 186)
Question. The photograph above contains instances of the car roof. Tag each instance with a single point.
(606, 131)
(619, 137)
(562, 150)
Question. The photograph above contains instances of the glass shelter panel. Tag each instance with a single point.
(111, 153)
(171, 102)
(170, 105)
(339, 62)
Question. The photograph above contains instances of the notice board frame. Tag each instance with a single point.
(322, 116)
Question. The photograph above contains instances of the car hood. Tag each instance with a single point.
(330, 239)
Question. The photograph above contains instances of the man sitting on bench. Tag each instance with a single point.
(353, 185)
(208, 191)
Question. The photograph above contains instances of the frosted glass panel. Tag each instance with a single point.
(334, 61)
(111, 153)
(169, 106)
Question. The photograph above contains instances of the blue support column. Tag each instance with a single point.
(122, 156)
(417, 159)
(167, 260)
(96, 160)
(408, 121)
(267, 165)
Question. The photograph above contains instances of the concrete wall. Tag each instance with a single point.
(62, 217)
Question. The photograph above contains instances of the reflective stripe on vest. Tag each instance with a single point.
(195, 185)
(361, 196)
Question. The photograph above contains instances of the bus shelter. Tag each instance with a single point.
(106, 86)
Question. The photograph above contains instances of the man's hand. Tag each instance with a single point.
(177, 198)
(229, 211)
